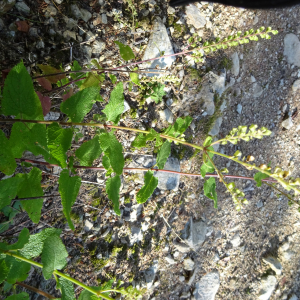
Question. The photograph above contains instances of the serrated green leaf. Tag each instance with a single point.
(89, 151)
(50, 70)
(125, 51)
(207, 141)
(179, 127)
(19, 98)
(67, 289)
(59, 141)
(68, 189)
(31, 187)
(21, 296)
(22, 240)
(86, 295)
(4, 270)
(93, 79)
(135, 78)
(106, 162)
(113, 185)
(7, 160)
(74, 76)
(163, 154)
(210, 190)
(35, 244)
(114, 150)
(147, 190)
(113, 78)
(207, 168)
(14, 264)
(115, 107)
(139, 141)
(78, 105)
(54, 255)
(157, 91)
(258, 178)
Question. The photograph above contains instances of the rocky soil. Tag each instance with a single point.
(176, 245)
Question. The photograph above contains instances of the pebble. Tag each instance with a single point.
(170, 260)
(236, 240)
(23, 8)
(239, 108)
(207, 287)
(216, 128)
(104, 18)
(296, 85)
(267, 287)
(88, 225)
(194, 16)
(288, 123)
(235, 64)
(69, 35)
(167, 115)
(188, 264)
(292, 49)
(274, 264)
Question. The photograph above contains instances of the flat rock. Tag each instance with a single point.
(52, 116)
(288, 123)
(274, 263)
(216, 128)
(235, 64)
(167, 115)
(170, 260)
(88, 225)
(23, 8)
(267, 287)
(136, 235)
(159, 42)
(85, 15)
(207, 287)
(236, 240)
(194, 233)
(188, 264)
(292, 49)
(181, 247)
(194, 16)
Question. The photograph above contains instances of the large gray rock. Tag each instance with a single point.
(207, 287)
(194, 16)
(292, 49)
(159, 42)
(235, 64)
(267, 287)
(211, 84)
(194, 233)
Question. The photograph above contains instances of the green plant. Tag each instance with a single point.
(53, 141)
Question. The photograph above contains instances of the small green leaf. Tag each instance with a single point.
(106, 162)
(113, 78)
(78, 105)
(147, 190)
(59, 141)
(139, 141)
(53, 256)
(179, 127)
(89, 151)
(50, 70)
(207, 141)
(68, 189)
(135, 78)
(157, 92)
(86, 295)
(8, 190)
(74, 76)
(31, 187)
(93, 79)
(113, 150)
(67, 289)
(113, 185)
(35, 244)
(7, 160)
(14, 264)
(21, 296)
(210, 190)
(115, 107)
(22, 240)
(163, 154)
(258, 178)
(125, 51)
(19, 97)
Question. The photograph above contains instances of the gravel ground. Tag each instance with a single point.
(251, 254)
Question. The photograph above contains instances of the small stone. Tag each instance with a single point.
(236, 240)
(259, 204)
(294, 297)
(40, 44)
(239, 108)
(88, 225)
(23, 8)
(216, 128)
(87, 51)
(59, 1)
(181, 247)
(52, 116)
(194, 16)
(136, 235)
(150, 273)
(126, 106)
(170, 260)
(6, 5)
(75, 11)
(235, 64)
(85, 15)
(268, 286)
(207, 287)
(51, 10)
(104, 18)
(194, 233)
(70, 23)
(274, 264)
(296, 85)
(167, 115)
(69, 35)
(171, 10)
(181, 278)
(97, 20)
(288, 123)
(288, 255)
(188, 264)
(292, 49)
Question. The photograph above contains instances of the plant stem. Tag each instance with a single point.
(33, 289)
(73, 280)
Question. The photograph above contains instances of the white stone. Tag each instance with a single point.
(167, 115)
(170, 260)
(188, 264)
(288, 123)
(267, 287)
(216, 128)
(104, 18)
(126, 106)
(292, 49)
(296, 85)
(88, 225)
(52, 116)
(194, 16)
(207, 287)
(235, 64)
(236, 240)
(136, 235)
(98, 47)
(150, 273)
(274, 264)
(239, 108)
(159, 42)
